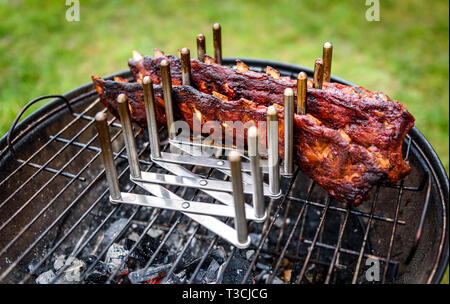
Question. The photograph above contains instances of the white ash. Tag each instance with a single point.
(133, 236)
(155, 233)
(276, 280)
(263, 266)
(175, 241)
(210, 276)
(255, 239)
(278, 222)
(249, 254)
(59, 262)
(260, 276)
(46, 277)
(150, 273)
(114, 257)
(74, 271)
(219, 253)
(176, 278)
(114, 230)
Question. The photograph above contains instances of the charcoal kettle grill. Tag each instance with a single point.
(55, 199)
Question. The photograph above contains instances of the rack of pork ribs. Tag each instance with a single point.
(349, 140)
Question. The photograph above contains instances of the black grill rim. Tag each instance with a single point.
(79, 94)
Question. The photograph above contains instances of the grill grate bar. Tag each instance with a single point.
(343, 210)
(283, 226)
(366, 236)
(66, 186)
(114, 210)
(151, 222)
(338, 245)
(69, 207)
(286, 245)
(40, 170)
(78, 222)
(99, 256)
(95, 149)
(66, 127)
(90, 118)
(397, 212)
(172, 270)
(266, 230)
(166, 237)
(227, 263)
(349, 251)
(102, 253)
(202, 260)
(162, 243)
(394, 229)
(178, 260)
(313, 244)
(302, 227)
(51, 170)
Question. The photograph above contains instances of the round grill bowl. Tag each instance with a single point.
(44, 211)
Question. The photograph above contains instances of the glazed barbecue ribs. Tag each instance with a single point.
(370, 119)
(350, 139)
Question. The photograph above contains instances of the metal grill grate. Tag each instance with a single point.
(54, 198)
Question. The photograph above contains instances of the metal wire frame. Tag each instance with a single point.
(337, 248)
(89, 211)
(98, 229)
(281, 202)
(153, 221)
(48, 229)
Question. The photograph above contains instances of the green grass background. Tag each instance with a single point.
(405, 55)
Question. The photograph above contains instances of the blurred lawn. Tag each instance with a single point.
(405, 55)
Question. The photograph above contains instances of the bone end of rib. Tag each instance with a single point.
(137, 56)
